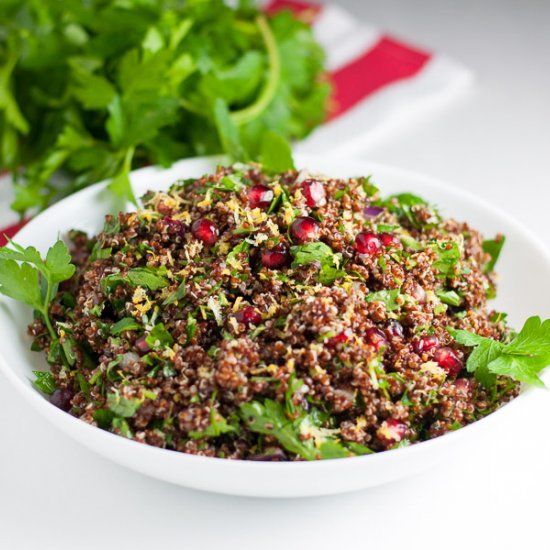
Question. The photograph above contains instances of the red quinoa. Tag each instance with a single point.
(203, 325)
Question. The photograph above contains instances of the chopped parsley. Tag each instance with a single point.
(388, 297)
(493, 247)
(159, 337)
(321, 254)
(44, 381)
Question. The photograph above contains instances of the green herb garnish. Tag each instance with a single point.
(387, 297)
(270, 418)
(319, 253)
(523, 358)
(121, 406)
(148, 277)
(159, 337)
(493, 247)
(450, 297)
(44, 381)
(448, 254)
(26, 277)
(128, 323)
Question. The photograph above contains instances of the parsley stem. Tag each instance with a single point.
(45, 313)
(251, 112)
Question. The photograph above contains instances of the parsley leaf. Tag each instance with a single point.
(128, 323)
(26, 277)
(403, 206)
(270, 418)
(304, 435)
(321, 254)
(450, 297)
(148, 277)
(177, 295)
(493, 247)
(522, 359)
(387, 297)
(159, 337)
(44, 381)
(448, 254)
(121, 406)
(275, 154)
(218, 426)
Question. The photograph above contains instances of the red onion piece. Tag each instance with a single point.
(372, 211)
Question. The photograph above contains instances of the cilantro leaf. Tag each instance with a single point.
(522, 359)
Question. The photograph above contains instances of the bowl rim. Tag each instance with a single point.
(56, 415)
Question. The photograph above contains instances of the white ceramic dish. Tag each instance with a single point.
(524, 268)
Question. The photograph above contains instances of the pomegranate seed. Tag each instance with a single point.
(174, 226)
(314, 193)
(446, 358)
(275, 257)
(367, 243)
(391, 431)
(340, 338)
(389, 240)
(260, 196)
(395, 329)
(61, 398)
(142, 346)
(206, 231)
(376, 338)
(304, 229)
(248, 316)
(426, 343)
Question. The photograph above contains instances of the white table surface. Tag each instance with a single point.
(494, 141)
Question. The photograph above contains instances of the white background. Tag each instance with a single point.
(494, 141)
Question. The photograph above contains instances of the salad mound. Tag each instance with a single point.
(286, 316)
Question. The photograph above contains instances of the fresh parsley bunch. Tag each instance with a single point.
(92, 89)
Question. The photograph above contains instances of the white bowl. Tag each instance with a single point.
(524, 267)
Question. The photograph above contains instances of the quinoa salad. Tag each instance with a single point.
(289, 316)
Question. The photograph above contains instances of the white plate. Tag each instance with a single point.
(525, 271)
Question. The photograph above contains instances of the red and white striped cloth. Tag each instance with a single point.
(380, 83)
